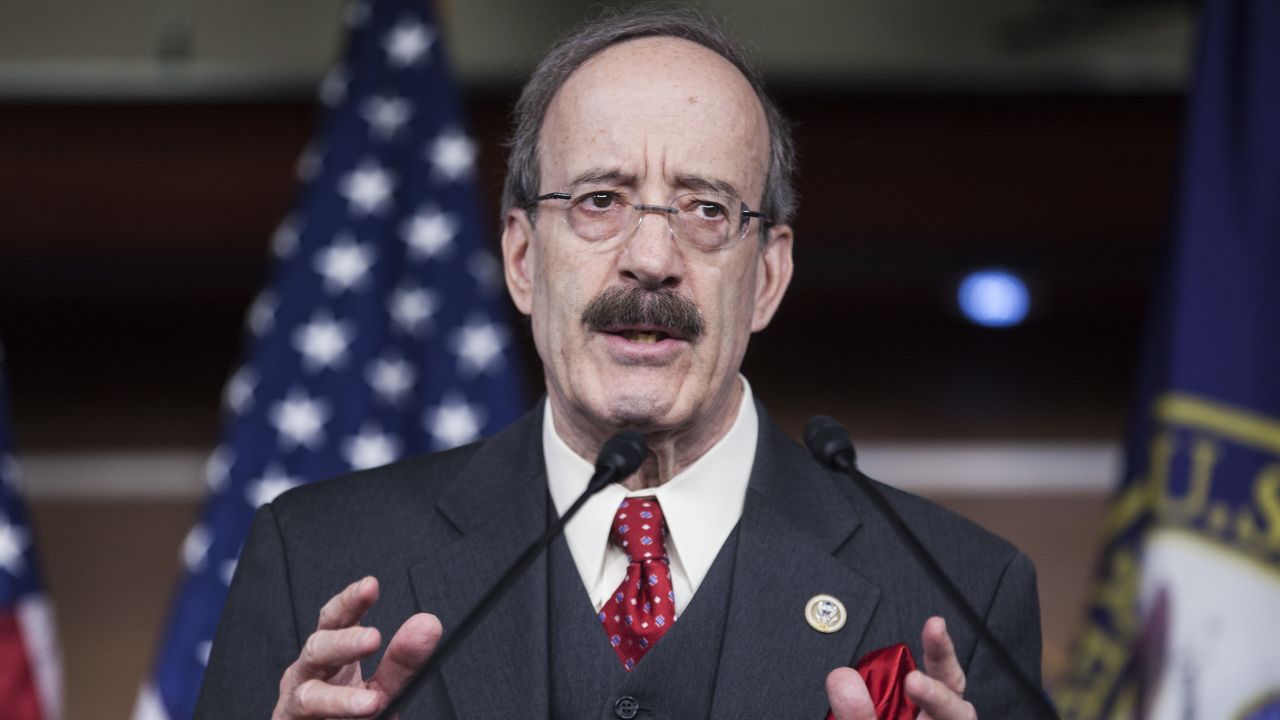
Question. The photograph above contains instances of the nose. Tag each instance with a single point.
(651, 256)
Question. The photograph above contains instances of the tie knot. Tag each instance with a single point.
(640, 530)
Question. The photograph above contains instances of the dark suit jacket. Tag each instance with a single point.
(438, 530)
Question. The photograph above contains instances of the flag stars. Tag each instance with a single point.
(227, 570)
(355, 14)
(14, 541)
(309, 163)
(323, 342)
(238, 396)
(391, 378)
(217, 467)
(478, 345)
(344, 264)
(284, 241)
(453, 155)
(370, 448)
(385, 115)
(367, 188)
(262, 313)
(412, 309)
(273, 482)
(454, 422)
(407, 43)
(300, 419)
(430, 233)
(333, 88)
(10, 472)
(195, 548)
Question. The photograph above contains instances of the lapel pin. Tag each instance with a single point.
(825, 613)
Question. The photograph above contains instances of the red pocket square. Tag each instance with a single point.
(885, 673)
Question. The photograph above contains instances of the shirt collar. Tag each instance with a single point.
(701, 505)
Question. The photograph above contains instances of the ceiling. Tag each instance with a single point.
(77, 49)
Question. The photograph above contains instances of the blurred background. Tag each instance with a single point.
(148, 150)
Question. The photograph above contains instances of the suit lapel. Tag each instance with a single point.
(773, 663)
(498, 503)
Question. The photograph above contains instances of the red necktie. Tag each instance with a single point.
(644, 605)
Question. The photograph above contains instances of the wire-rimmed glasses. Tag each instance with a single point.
(705, 220)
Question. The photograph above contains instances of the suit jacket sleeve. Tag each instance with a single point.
(1014, 617)
(258, 635)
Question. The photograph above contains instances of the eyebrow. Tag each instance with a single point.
(595, 176)
(617, 177)
(699, 183)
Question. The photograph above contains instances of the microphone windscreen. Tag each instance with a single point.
(622, 454)
(826, 439)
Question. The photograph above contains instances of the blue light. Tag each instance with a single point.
(994, 298)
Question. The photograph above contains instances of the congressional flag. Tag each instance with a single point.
(1185, 619)
(30, 673)
(383, 331)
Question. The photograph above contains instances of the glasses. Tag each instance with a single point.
(703, 220)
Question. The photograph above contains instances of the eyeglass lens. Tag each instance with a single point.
(700, 219)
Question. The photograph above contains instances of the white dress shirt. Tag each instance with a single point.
(701, 505)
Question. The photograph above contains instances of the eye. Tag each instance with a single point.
(597, 201)
(707, 210)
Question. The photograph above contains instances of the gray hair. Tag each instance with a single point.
(590, 38)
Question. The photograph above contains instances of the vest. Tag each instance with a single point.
(676, 679)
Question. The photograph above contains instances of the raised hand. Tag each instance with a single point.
(938, 691)
(325, 681)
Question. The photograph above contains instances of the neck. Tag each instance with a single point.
(671, 449)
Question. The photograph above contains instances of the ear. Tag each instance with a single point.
(773, 275)
(517, 259)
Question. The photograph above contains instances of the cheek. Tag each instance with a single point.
(558, 300)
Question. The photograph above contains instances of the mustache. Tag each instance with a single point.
(664, 308)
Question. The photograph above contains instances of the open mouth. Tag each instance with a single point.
(643, 335)
(646, 337)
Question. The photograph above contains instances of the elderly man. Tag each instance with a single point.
(646, 236)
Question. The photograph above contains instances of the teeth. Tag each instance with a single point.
(641, 336)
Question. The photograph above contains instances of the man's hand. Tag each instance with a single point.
(325, 681)
(938, 691)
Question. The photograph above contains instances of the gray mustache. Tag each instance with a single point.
(663, 308)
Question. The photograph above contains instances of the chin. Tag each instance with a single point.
(641, 411)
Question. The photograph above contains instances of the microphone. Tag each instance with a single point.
(620, 456)
(830, 445)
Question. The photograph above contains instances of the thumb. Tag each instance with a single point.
(848, 696)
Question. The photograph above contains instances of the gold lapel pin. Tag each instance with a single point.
(825, 613)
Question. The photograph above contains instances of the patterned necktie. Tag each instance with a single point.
(644, 605)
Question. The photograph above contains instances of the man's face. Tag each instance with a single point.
(648, 119)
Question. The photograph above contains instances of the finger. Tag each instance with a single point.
(848, 696)
(327, 651)
(347, 607)
(318, 699)
(409, 650)
(940, 659)
(937, 701)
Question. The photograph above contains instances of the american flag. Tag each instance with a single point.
(30, 673)
(382, 332)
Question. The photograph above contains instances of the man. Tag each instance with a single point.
(646, 236)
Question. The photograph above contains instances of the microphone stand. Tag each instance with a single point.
(830, 445)
(619, 458)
